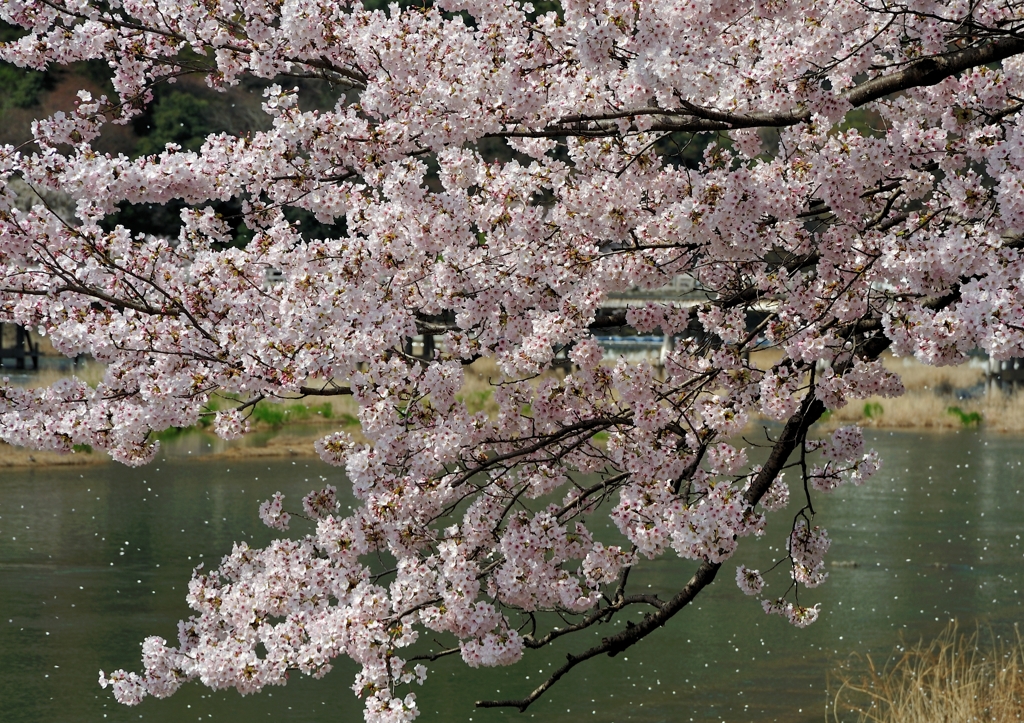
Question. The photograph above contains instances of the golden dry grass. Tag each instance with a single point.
(927, 402)
(925, 405)
(88, 371)
(21, 457)
(955, 678)
(918, 377)
(926, 410)
(930, 397)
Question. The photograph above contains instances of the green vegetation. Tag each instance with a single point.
(967, 419)
(277, 415)
(21, 86)
(185, 117)
(476, 401)
(170, 433)
(873, 410)
(177, 117)
(866, 122)
(272, 414)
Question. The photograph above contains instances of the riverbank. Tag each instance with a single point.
(954, 677)
(22, 457)
(945, 398)
(295, 441)
(937, 398)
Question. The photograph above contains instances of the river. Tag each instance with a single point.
(94, 559)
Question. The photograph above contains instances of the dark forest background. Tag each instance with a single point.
(187, 111)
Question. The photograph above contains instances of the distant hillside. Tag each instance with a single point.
(187, 111)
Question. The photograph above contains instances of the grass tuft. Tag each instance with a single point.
(873, 410)
(277, 415)
(967, 419)
(955, 678)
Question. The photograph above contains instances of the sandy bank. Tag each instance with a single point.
(285, 445)
(931, 395)
(21, 457)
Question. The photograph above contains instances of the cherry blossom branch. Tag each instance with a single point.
(792, 435)
(325, 391)
(615, 644)
(693, 118)
(592, 426)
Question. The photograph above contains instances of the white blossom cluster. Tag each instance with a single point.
(884, 211)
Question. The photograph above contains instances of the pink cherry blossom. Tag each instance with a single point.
(272, 513)
(815, 179)
(749, 581)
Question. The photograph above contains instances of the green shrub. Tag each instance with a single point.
(278, 414)
(967, 419)
(873, 410)
(19, 87)
(177, 117)
(476, 401)
(22, 87)
(272, 414)
(165, 435)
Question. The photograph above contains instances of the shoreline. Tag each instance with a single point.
(23, 457)
(277, 444)
(932, 402)
(911, 412)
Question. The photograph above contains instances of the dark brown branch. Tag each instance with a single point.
(615, 644)
(692, 118)
(434, 656)
(118, 304)
(791, 437)
(594, 617)
(794, 431)
(593, 426)
(354, 78)
(580, 501)
(324, 391)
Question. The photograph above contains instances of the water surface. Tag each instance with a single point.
(92, 560)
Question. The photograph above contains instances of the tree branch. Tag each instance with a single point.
(693, 118)
(794, 431)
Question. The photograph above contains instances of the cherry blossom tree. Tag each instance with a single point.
(493, 174)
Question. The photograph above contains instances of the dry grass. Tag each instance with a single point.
(956, 678)
(930, 396)
(918, 377)
(88, 371)
(925, 405)
(21, 457)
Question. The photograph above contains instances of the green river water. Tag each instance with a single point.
(92, 560)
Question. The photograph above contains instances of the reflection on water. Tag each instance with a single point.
(93, 560)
